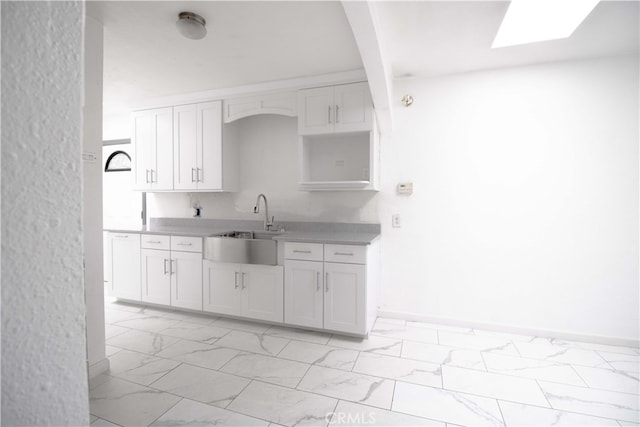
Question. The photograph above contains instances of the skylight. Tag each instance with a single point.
(529, 21)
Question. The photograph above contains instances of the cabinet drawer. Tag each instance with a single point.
(186, 244)
(154, 241)
(303, 251)
(348, 254)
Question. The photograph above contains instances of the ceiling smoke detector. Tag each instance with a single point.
(191, 25)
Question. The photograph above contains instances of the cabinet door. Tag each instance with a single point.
(209, 145)
(221, 288)
(162, 172)
(186, 280)
(143, 141)
(185, 159)
(315, 111)
(125, 264)
(303, 293)
(353, 108)
(262, 292)
(156, 281)
(153, 149)
(344, 298)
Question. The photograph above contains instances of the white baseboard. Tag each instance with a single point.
(499, 327)
(98, 368)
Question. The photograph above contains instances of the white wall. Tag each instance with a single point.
(44, 372)
(268, 147)
(525, 211)
(116, 126)
(92, 197)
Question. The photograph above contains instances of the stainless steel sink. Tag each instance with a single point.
(245, 247)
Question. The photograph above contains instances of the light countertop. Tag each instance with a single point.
(330, 233)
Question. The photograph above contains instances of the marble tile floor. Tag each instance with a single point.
(171, 368)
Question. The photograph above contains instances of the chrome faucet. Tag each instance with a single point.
(268, 223)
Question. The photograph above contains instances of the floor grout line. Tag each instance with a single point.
(544, 394)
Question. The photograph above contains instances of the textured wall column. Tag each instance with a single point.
(44, 372)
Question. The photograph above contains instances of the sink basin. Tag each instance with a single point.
(244, 247)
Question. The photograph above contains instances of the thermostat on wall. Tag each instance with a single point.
(405, 188)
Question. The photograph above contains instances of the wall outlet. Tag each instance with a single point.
(395, 220)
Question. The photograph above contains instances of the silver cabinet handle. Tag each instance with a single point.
(153, 242)
(146, 175)
(192, 172)
(165, 266)
(343, 253)
(243, 276)
(318, 281)
(151, 173)
(198, 175)
(174, 270)
(296, 251)
(337, 111)
(122, 236)
(235, 279)
(326, 282)
(329, 114)
(184, 244)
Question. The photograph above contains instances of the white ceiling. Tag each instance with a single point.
(425, 38)
(257, 41)
(246, 43)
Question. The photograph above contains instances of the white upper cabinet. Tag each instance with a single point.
(275, 103)
(338, 147)
(181, 148)
(316, 109)
(354, 108)
(185, 147)
(152, 138)
(335, 109)
(197, 147)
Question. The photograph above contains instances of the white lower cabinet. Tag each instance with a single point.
(186, 280)
(303, 293)
(344, 297)
(328, 295)
(124, 254)
(220, 288)
(262, 292)
(156, 276)
(253, 291)
(170, 277)
(320, 286)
